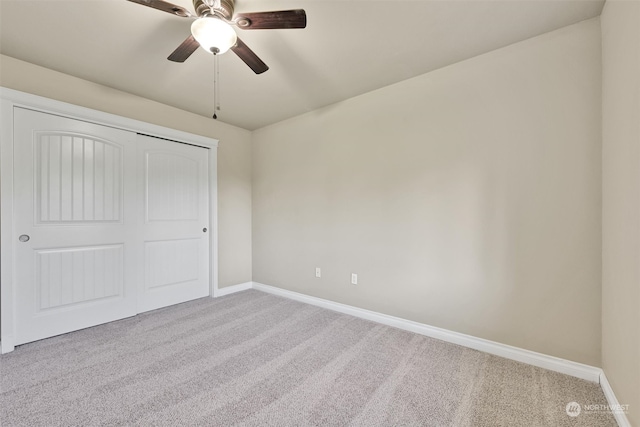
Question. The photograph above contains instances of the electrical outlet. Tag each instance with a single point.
(318, 273)
(354, 279)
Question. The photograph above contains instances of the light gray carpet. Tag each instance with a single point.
(254, 359)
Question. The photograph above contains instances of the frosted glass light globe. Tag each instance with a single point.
(213, 34)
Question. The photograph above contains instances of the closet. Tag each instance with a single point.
(106, 221)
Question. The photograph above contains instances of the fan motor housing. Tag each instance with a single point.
(226, 8)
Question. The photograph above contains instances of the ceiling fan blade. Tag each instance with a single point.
(249, 58)
(272, 20)
(165, 6)
(184, 50)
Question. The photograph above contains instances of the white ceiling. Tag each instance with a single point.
(348, 48)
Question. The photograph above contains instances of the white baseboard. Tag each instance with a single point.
(579, 370)
(228, 290)
(612, 400)
(7, 344)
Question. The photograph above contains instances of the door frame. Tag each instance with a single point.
(9, 100)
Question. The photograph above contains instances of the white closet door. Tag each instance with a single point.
(175, 225)
(74, 195)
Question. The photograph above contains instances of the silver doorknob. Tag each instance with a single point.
(204, 230)
(24, 238)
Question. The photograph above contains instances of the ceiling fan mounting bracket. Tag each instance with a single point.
(225, 10)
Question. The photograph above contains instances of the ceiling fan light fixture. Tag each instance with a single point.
(213, 34)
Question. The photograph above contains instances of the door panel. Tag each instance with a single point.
(78, 178)
(74, 195)
(173, 187)
(172, 262)
(78, 276)
(176, 197)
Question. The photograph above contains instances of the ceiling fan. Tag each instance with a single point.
(212, 28)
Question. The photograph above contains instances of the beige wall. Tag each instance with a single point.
(467, 198)
(234, 159)
(620, 22)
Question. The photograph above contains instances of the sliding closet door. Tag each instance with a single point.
(75, 217)
(175, 222)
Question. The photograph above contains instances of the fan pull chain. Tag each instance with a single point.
(216, 87)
